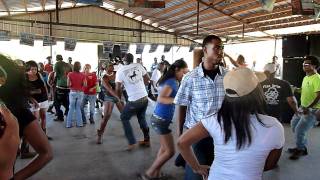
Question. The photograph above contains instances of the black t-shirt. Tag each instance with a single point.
(276, 92)
(37, 85)
(211, 73)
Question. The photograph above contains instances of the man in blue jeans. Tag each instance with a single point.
(200, 95)
(134, 77)
(302, 122)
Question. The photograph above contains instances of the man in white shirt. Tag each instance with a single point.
(134, 77)
(156, 74)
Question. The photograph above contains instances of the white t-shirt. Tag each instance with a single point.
(132, 78)
(156, 74)
(247, 163)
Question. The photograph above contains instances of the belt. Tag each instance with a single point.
(141, 99)
(59, 87)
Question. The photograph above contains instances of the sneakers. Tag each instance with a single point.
(296, 153)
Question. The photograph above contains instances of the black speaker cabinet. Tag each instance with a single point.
(295, 46)
(293, 71)
(315, 45)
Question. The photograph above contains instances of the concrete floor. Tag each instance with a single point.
(78, 157)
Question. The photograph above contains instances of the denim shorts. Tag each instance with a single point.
(161, 126)
(110, 99)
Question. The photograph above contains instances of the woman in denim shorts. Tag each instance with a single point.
(163, 114)
(110, 98)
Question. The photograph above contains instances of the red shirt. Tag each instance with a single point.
(76, 80)
(48, 68)
(91, 82)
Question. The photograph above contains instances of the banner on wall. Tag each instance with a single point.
(107, 47)
(167, 47)
(4, 35)
(153, 48)
(69, 44)
(124, 47)
(91, 2)
(49, 41)
(27, 39)
(146, 3)
(140, 48)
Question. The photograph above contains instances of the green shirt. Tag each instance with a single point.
(62, 69)
(309, 89)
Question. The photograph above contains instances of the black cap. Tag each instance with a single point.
(49, 57)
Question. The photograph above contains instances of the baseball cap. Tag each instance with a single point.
(261, 76)
(49, 57)
(241, 82)
(270, 67)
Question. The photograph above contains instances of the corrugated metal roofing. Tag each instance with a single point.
(224, 16)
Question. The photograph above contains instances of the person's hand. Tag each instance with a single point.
(203, 170)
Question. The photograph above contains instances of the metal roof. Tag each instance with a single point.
(220, 17)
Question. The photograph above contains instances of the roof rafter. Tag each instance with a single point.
(25, 3)
(43, 4)
(260, 19)
(4, 4)
(218, 16)
(266, 25)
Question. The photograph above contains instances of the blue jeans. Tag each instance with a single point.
(92, 101)
(300, 125)
(204, 151)
(75, 99)
(138, 108)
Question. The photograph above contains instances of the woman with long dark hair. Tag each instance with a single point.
(246, 142)
(38, 90)
(13, 92)
(163, 114)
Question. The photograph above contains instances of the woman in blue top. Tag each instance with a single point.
(163, 114)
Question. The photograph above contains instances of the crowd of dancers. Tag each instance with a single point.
(228, 120)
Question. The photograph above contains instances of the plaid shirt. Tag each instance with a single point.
(202, 96)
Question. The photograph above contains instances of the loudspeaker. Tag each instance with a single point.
(295, 46)
(293, 71)
(116, 51)
(102, 55)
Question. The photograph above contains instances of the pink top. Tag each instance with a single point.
(76, 81)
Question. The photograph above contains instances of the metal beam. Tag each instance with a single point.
(74, 3)
(60, 3)
(88, 26)
(213, 21)
(25, 3)
(210, 16)
(57, 11)
(4, 4)
(283, 23)
(214, 3)
(43, 4)
(254, 21)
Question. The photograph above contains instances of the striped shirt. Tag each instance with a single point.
(202, 96)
